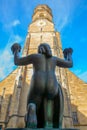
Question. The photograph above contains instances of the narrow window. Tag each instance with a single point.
(20, 81)
(75, 118)
(41, 15)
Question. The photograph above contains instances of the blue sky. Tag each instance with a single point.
(69, 17)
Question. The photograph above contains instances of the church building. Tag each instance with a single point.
(14, 88)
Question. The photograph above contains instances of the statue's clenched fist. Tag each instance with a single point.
(16, 48)
(67, 51)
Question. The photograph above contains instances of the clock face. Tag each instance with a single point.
(41, 23)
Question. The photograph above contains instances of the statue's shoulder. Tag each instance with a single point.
(54, 58)
(36, 56)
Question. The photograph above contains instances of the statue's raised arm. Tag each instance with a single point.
(68, 62)
(16, 48)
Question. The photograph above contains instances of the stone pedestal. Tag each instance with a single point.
(41, 129)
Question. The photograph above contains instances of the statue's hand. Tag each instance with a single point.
(70, 50)
(15, 48)
(67, 51)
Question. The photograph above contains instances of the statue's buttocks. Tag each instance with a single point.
(44, 83)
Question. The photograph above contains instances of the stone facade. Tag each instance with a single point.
(15, 87)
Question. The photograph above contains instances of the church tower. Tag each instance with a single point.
(13, 98)
(41, 30)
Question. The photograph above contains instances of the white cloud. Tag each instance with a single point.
(83, 76)
(77, 71)
(1, 73)
(12, 24)
(5, 63)
(63, 23)
(65, 10)
(15, 23)
(6, 57)
(17, 38)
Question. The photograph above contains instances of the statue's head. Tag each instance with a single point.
(45, 49)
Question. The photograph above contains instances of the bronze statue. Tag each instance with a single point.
(44, 86)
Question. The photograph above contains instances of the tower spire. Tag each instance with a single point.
(42, 12)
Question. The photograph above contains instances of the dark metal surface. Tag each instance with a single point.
(44, 86)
